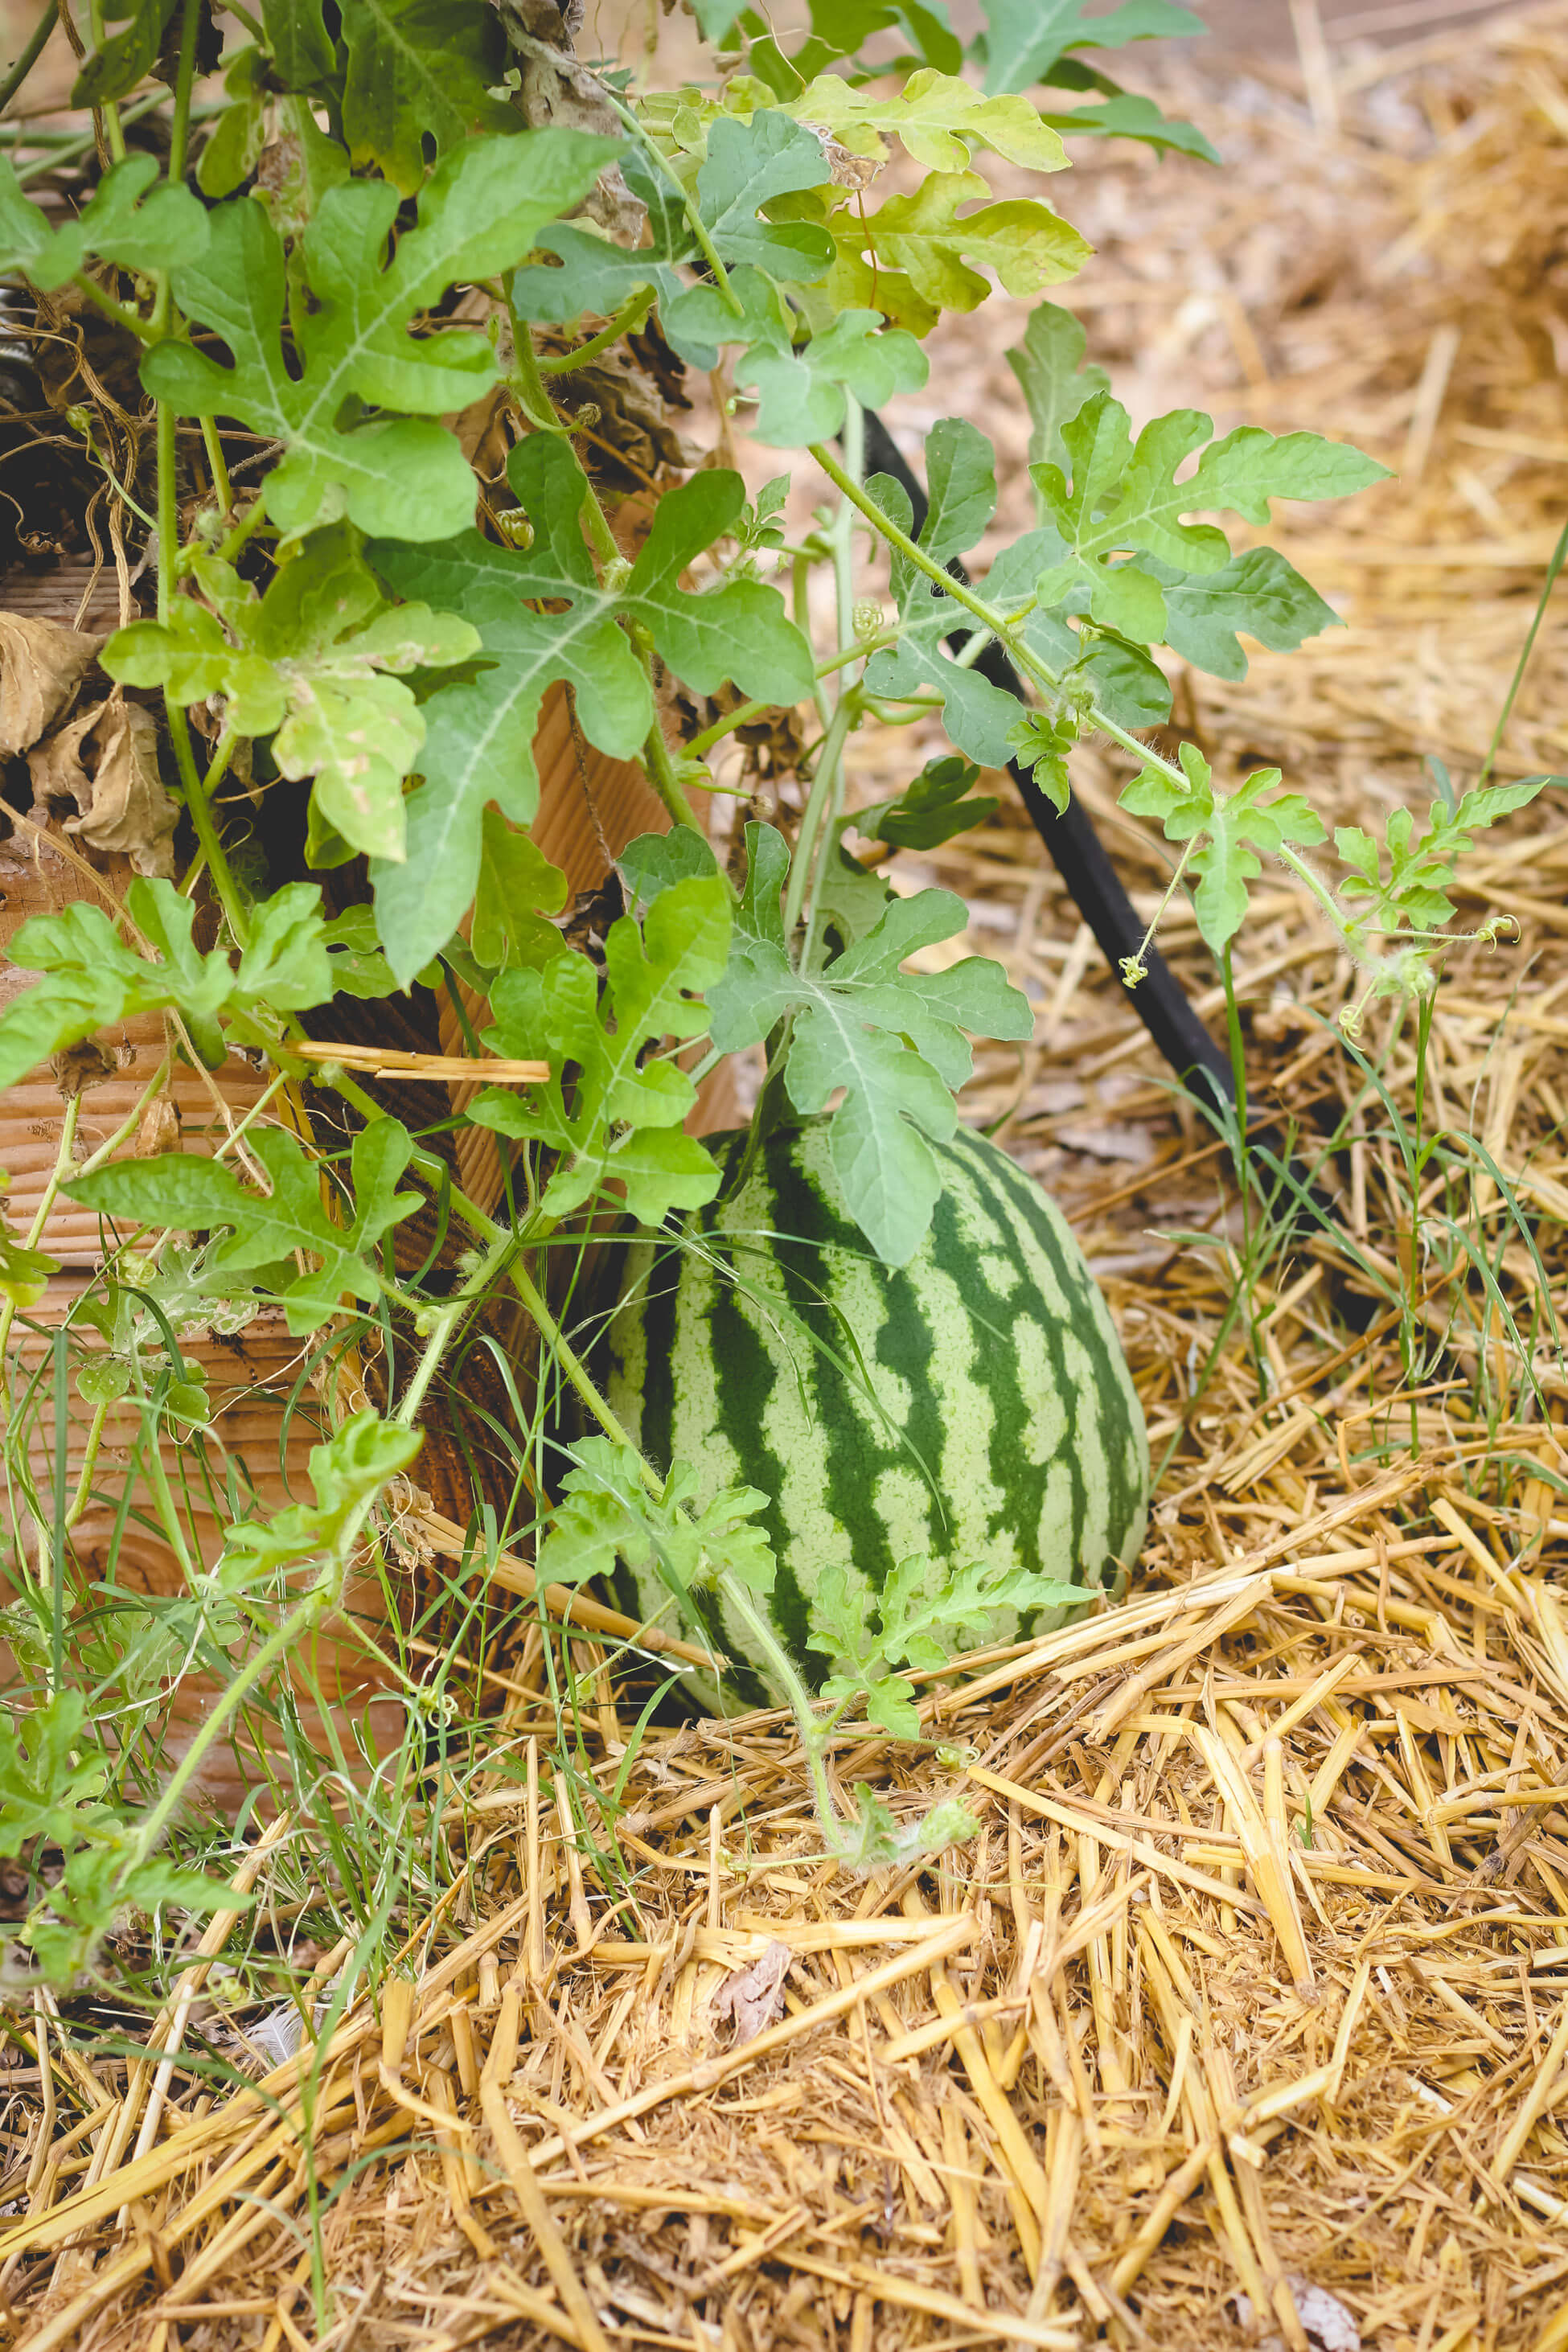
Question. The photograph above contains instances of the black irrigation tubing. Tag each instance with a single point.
(1158, 999)
(1080, 858)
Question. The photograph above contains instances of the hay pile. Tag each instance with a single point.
(1247, 2012)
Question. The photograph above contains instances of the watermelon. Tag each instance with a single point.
(973, 1404)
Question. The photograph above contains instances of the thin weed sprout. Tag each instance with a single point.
(1282, 1204)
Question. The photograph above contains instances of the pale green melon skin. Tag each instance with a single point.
(991, 1358)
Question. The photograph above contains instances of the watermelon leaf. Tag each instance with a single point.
(1230, 831)
(801, 391)
(1024, 39)
(92, 979)
(936, 807)
(917, 1626)
(908, 258)
(1117, 494)
(1128, 114)
(1055, 383)
(54, 1777)
(748, 165)
(656, 862)
(183, 1190)
(418, 70)
(127, 219)
(1414, 888)
(606, 1513)
(23, 1272)
(618, 1118)
(297, 40)
(480, 728)
(892, 1041)
(478, 212)
(978, 715)
(940, 118)
(119, 62)
(1257, 592)
(347, 1471)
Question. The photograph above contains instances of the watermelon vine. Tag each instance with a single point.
(393, 216)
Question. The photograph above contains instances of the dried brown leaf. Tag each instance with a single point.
(77, 1068)
(159, 1127)
(41, 667)
(753, 1996)
(106, 761)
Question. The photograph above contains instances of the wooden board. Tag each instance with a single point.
(591, 806)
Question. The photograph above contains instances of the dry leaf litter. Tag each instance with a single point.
(1245, 2018)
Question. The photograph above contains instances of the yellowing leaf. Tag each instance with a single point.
(907, 259)
(939, 118)
(306, 659)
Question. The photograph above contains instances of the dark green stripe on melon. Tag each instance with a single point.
(972, 1405)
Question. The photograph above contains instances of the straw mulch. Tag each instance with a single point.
(1247, 2014)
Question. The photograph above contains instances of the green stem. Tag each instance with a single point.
(168, 509)
(63, 1161)
(108, 115)
(198, 792)
(694, 220)
(1424, 1009)
(661, 775)
(843, 532)
(817, 820)
(814, 841)
(446, 1323)
(533, 399)
(36, 43)
(245, 529)
(180, 120)
(277, 1644)
(700, 745)
(129, 1124)
(572, 1364)
(163, 309)
(89, 1463)
(1558, 557)
(625, 321)
(814, 1732)
(120, 312)
(1023, 656)
(221, 488)
(1238, 1087)
(1304, 872)
(157, 1477)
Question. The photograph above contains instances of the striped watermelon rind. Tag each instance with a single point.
(972, 1404)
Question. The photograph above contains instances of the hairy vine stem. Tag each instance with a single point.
(998, 624)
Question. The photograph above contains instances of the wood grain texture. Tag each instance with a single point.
(264, 1423)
